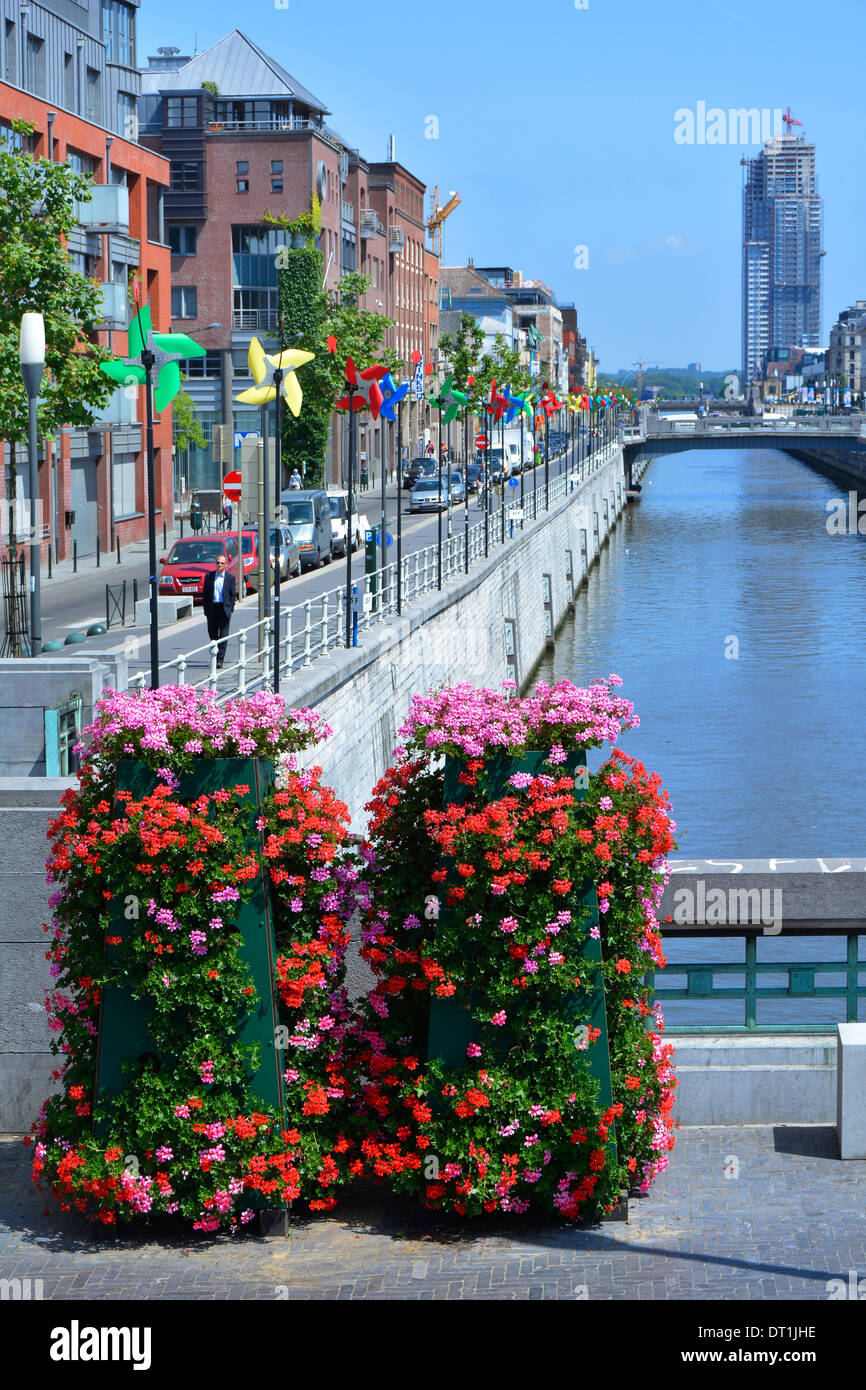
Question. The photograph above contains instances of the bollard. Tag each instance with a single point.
(75, 557)
(117, 538)
(98, 557)
(49, 561)
(164, 537)
(134, 594)
(181, 525)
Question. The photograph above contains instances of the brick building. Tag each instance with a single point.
(245, 138)
(75, 80)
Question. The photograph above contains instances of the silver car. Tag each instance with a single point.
(290, 555)
(426, 495)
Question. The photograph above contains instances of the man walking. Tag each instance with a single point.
(219, 597)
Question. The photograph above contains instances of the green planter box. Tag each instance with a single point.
(452, 1026)
(124, 1022)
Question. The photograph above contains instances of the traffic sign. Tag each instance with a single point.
(514, 482)
(232, 485)
(481, 441)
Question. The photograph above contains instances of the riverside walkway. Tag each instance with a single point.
(751, 1213)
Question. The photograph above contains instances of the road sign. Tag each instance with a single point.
(481, 441)
(232, 485)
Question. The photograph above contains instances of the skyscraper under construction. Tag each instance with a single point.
(782, 224)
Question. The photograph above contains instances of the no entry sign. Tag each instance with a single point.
(481, 441)
(232, 485)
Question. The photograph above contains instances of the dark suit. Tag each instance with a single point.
(219, 615)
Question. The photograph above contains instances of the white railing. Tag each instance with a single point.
(309, 630)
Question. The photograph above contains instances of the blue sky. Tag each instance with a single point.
(556, 125)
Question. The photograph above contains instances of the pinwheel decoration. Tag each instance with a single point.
(366, 388)
(449, 400)
(549, 403)
(168, 351)
(265, 389)
(392, 395)
(495, 405)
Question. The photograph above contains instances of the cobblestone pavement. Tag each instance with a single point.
(790, 1217)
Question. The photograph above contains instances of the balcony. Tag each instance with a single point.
(348, 211)
(269, 123)
(114, 307)
(370, 224)
(253, 319)
(396, 239)
(108, 210)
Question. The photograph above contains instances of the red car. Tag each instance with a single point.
(189, 560)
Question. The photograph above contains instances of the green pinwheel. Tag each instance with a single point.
(168, 351)
(449, 400)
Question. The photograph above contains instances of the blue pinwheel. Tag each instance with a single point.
(392, 395)
(513, 404)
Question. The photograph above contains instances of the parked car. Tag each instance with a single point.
(307, 513)
(188, 561)
(287, 548)
(426, 495)
(419, 468)
(473, 476)
(494, 465)
(338, 501)
(458, 487)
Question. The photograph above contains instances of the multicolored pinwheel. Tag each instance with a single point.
(516, 403)
(449, 400)
(169, 349)
(366, 390)
(392, 395)
(265, 389)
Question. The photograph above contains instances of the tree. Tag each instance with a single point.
(186, 425)
(310, 317)
(37, 212)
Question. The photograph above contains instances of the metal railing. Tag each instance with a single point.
(800, 984)
(309, 630)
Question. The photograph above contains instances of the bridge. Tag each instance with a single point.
(835, 444)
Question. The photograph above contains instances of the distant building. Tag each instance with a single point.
(781, 265)
(847, 346)
(70, 70)
(693, 367)
(537, 313)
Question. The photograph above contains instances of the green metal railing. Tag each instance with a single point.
(801, 984)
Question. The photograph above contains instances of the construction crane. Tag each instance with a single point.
(438, 216)
(640, 364)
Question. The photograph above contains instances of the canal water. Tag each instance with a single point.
(738, 625)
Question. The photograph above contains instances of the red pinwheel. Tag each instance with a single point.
(496, 404)
(365, 388)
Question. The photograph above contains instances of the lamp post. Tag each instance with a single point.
(31, 355)
(349, 486)
(439, 505)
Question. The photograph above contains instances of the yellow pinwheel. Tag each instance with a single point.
(265, 389)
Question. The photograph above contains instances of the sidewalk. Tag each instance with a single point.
(792, 1219)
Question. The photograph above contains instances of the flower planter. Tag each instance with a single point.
(124, 1027)
(452, 1026)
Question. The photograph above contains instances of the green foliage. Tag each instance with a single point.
(307, 224)
(462, 351)
(309, 317)
(210, 87)
(37, 212)
(186, 425)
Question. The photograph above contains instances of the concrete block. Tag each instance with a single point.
(851, 1089)
(25, 1081)
(760, 1079)
(168, 611)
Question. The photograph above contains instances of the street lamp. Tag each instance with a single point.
(31, 355)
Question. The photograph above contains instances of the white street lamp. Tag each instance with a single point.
(31, 355)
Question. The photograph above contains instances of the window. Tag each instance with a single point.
(118, 32)
(242, 166)
(181, 111)
(185, 178)
(240, 365)
(127, 121)
(207, 368)
(243, 185)
(123, 473)
(254, 270)
(93, 109)
(184, 302)
(35, 80)
(276, 185)
(276, 166)
(80, 163)
(182, 239)
(11, 74)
